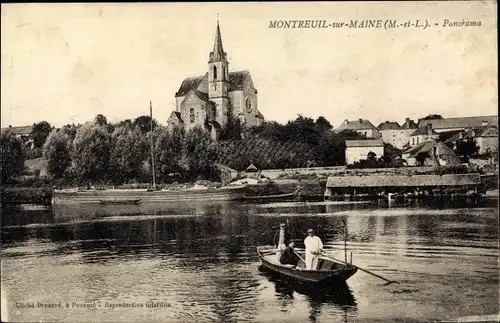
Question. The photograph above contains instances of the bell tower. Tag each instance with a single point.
(218, 79)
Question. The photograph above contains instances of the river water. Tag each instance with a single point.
(197, 263)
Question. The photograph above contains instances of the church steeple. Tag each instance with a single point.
(218, 79)
(218, 53)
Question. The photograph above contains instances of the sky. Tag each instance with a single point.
(66, 63)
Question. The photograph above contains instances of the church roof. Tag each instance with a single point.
(189, 83)
(177, 115)
(202, 95)
(199, 83)
(259, 115)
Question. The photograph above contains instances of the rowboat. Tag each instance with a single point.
(328, 269)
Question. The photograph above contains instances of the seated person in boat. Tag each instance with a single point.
(288, 256)
(313, 245)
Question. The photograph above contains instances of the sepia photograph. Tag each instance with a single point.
(250, 162)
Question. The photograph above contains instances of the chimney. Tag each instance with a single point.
(360, 120)
(484, 123)
(429, 128)
(407, 120)
(346, 121)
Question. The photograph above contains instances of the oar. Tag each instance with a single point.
(365, 270)
(295, 252)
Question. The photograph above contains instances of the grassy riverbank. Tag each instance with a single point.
(26, 195)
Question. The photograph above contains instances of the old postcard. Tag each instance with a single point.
(250, 162)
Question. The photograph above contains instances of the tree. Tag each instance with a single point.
(12, 156)
(171, 157)
(100, 120)
(201, 151)
(323, 124)
(391, 152)
(57, 152)
(40, 132)
(269, 130)
(69, 131)
(432, 117)
(330, 150)
(371, 156)
(302, 129)
(126, 155)
(90, 153)
(232, 130)
(143, 123)
(420, 158)
(466, 149)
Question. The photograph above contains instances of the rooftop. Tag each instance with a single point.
(360, 124)
(365, 143)
(409, 124)
(18, 130)
(403, 180)
(389, 126)
(465, 122)
(424, 131)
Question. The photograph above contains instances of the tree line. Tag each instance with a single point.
(99, 151)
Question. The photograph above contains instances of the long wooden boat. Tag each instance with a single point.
(267, 198)
(204, 194)
(120, 201)
(327, 268)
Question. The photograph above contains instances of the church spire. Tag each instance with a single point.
(218, 52)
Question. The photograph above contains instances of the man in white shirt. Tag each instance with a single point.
(313, 246)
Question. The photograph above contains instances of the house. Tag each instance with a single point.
(217, 96)
(361, 126)
(356, 150)
(486, 138)
(226, 174)
(450, 124)
(423, 134)
(392, 133)
(21, 132)
(252, 172)
(407, 129)
(431, 153)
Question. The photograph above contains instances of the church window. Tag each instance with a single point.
(215, 72)
(191, 115)
(248, 105)
(214, 86)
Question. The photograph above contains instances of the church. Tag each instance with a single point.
(218, 96)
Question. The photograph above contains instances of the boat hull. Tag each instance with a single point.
(270, 198)
(124, 196)
(308, 276)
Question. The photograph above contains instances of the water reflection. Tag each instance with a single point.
(335, 294)
(202, 259)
